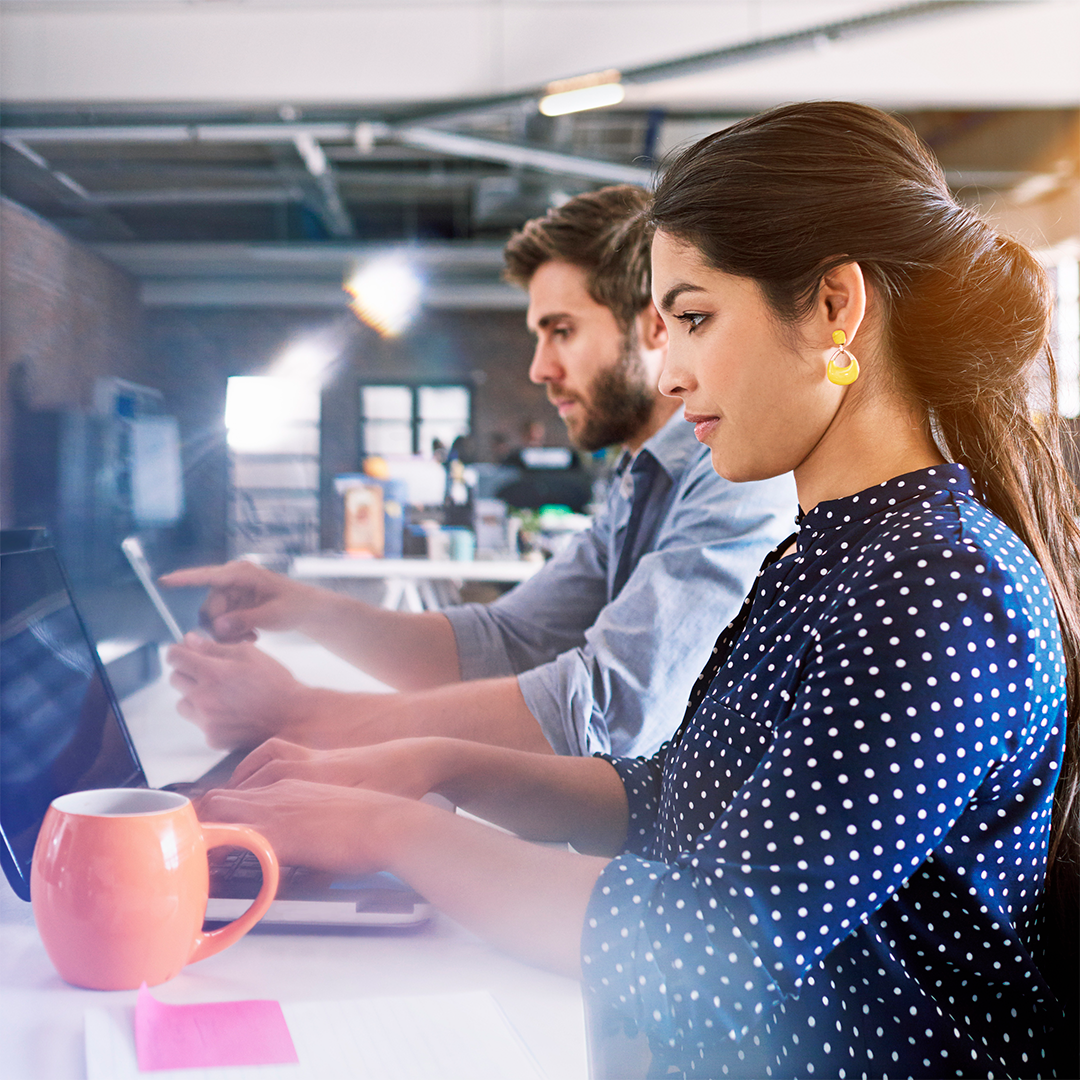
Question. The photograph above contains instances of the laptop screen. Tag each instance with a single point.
(59, 724)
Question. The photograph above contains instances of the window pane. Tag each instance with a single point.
(445, 403)
(387, 437)
(445, 431)
(386, 402)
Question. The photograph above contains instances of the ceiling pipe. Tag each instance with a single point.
(306, 139)
(454, 144)
(198, 196)
(533, 157)
(329, 205)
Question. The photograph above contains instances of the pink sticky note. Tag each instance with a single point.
(220, 1033)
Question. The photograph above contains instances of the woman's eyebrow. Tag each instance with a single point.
(675, 292)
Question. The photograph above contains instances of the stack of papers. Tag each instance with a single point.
(445, 1036)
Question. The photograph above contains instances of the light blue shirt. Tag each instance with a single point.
(607, 669)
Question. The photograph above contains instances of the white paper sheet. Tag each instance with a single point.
(445, 1036)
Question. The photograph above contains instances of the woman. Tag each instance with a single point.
(837, 866)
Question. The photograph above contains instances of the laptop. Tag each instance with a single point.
(62, 730)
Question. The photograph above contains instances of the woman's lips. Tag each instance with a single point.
(703, 425)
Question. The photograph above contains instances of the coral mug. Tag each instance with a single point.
(119, 884)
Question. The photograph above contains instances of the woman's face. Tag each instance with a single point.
(755, 391)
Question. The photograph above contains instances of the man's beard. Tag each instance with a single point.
(620, 402)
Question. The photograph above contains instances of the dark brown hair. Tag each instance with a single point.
(605, 233)
(789, 194)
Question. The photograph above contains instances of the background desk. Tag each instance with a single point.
(413, 584)
(41, 1017)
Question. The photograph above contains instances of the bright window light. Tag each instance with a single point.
(386, 294)
(1067, 347)
(585, 92)
(265, 415)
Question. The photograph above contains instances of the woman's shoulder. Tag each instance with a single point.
(932, 515)
(952, 573)
(959, 534)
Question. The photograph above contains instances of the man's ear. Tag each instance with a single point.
(652, 331)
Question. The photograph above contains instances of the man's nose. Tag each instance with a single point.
(545, 366)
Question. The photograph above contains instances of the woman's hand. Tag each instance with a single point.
(527, 899)
(409, 768)
(340, 830)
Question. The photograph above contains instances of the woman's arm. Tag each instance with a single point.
(537, 796)
(528, 900)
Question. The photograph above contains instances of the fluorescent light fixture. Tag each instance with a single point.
(584, 92)
(385, 294)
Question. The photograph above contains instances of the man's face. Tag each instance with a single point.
(593, 369)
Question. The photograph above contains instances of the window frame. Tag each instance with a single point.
(416, 421)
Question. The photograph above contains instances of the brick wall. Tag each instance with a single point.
(67, 317)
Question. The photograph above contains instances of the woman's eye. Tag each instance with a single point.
(692, 319)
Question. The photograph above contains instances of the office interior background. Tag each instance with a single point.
(188, 186)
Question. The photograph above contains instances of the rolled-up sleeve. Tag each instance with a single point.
(621, 686)
(540, 618)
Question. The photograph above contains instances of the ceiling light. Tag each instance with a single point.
(584, 92)
(385, 294)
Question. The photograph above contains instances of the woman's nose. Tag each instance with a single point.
(673, 381)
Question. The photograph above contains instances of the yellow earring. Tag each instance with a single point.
(846, 375)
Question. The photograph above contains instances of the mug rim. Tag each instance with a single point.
(80, 803)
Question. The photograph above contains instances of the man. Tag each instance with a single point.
(598, 650)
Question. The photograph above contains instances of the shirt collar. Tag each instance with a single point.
(673, 448)
(833, 514)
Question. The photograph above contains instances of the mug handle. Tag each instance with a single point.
(209, 942)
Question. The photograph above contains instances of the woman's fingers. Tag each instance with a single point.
(268, 762)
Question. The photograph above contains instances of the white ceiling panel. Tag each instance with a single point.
(262, 51)
(998, 56)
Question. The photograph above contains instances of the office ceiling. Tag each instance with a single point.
(251, 151)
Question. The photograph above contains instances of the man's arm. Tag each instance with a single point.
(405, 650)
(621, 676)
(240, 696)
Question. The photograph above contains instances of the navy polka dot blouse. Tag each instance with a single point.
(834, 868)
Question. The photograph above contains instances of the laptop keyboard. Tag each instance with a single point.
(236, 872)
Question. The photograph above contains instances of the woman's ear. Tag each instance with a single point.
(652, 331)
(841, 303)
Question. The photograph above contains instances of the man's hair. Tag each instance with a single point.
(606, 233)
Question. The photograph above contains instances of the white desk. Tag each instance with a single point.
(414, 584)
(41, 1017)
